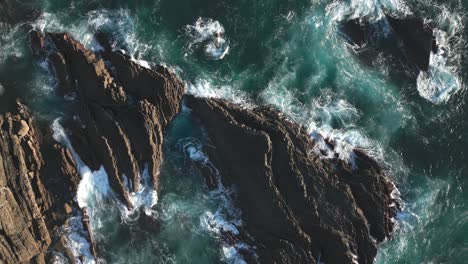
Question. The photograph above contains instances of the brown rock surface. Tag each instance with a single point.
(23, 231)
(297, 206)
(38, 182)
(123, 112)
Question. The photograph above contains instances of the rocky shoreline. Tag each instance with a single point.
(297, 207)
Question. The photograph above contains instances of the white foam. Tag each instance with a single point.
(145, 197)
(440, 82)
(58, 258)
(317, 117)
(226, 218)
(93, 189)
(355, 259)
(209, 34)
(10, 42)
(204, 88)
(75, 237)
(143, 63)
(231, 254)
(95, 193)
(119, 23)
(372, 10)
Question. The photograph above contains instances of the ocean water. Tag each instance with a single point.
(286, 53)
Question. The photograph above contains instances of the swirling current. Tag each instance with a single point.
(286, 53)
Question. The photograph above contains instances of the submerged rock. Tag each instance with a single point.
(413, 38)
(296, 207)
(417, 39)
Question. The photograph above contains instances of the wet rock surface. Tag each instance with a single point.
(408, 38)
(23, 230)
(31, 202)
(296, 206)
(123, 110)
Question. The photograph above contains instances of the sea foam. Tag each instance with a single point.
(442, 80)
(208, 34)
(227, 218)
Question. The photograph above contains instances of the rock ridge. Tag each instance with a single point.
(298, 207)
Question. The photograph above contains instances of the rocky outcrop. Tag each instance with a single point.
(417, 38)
(23, 231)
(411, 39)
(297, 206)
(37, 42)
(37, 185)
(123, 109)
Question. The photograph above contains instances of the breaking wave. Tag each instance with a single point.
(208, 34)
(442, 80)
(373, 10)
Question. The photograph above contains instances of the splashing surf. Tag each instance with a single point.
(208, 34)
(227, 218)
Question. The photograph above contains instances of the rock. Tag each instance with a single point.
(23, 232)
(417, 38)
(122, 114)
(413, 38)
(356, 31)
(22, 129)
(104, 40)
(59, 67)
(296, 206)
(68, 208)
(37, 187)
(36, 42)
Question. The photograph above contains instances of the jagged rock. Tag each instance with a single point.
(414, 38)
(356, 31)
(68, 209)
(33, 192)
(59, 67)
(104, 40)
(23, 232)
(36, 42)
(297, 206)
(123, 112)
(417, 38)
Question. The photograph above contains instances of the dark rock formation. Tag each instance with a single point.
(356, 31)
(59, 67)
(413, 38)
(417, 39)
(33, 193)
(122, 112)
(298, 207)
(36, 41)
(23, 231)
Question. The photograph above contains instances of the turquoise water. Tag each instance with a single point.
(289, 54)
